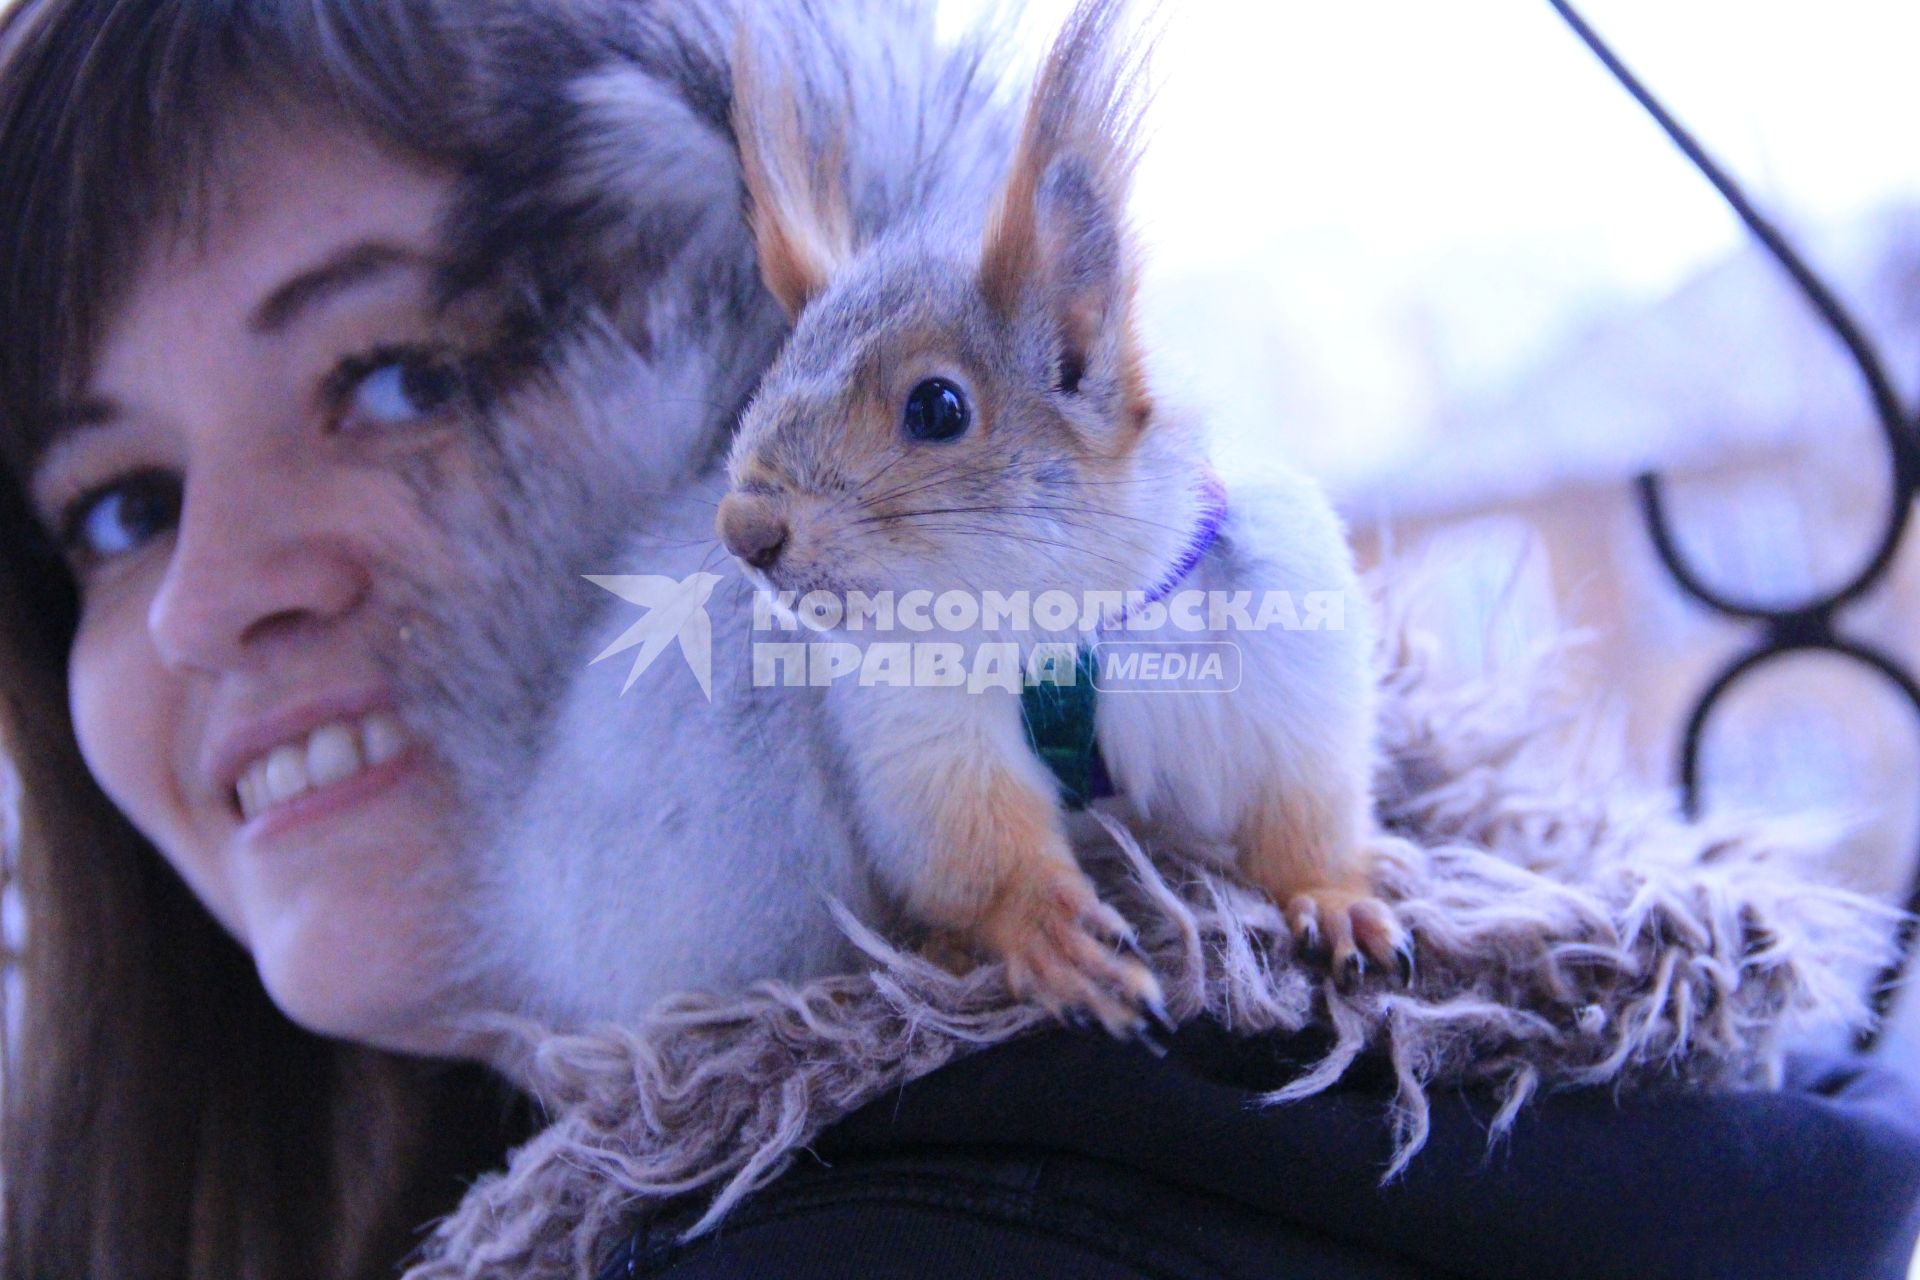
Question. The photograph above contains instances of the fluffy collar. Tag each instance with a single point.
(1570, 928)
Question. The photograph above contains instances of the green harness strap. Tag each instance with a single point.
(1059, 713)
(1059, 719)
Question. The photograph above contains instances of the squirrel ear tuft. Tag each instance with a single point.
(795, 184)
(1057, 233)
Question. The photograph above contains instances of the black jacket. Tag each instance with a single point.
(1067, 1156)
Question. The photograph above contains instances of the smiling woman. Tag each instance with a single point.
(218, 364)
(231, 374)
(285, 364)
(342, 340)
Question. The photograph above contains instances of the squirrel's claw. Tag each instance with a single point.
(1059, 942)
(1353, 930)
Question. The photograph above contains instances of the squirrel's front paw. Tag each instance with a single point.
(1352, 927)
(1059, 943)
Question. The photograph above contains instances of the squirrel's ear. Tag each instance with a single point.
(1074, 265)
(1057, 241)
(795, 180)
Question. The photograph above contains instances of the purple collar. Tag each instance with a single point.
(1213, 514)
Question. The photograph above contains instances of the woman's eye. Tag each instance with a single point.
(122, 517)
(936, 410)
(399, 389)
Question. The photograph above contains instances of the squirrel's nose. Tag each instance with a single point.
(751, 529)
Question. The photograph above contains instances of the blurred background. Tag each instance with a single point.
(1434, 255)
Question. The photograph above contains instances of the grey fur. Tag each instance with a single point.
(1570, 931)
(600, 252)
(598, 178)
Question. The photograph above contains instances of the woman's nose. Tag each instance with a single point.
(255, 555)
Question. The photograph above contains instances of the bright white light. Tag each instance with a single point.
(1361, 211)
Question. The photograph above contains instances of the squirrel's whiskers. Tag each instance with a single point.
(963, 404)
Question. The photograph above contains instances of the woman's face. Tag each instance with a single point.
(233, 492)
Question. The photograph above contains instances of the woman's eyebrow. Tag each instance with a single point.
(65, 423)
(353, 266)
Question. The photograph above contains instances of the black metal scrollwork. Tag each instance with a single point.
(1812, 626)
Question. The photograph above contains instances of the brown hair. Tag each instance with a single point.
(162, 1118)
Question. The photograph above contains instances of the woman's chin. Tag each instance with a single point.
(339, 970)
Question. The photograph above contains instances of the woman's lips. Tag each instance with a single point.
(321, 802)
(326, 757)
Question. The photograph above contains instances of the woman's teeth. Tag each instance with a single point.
(332, 753)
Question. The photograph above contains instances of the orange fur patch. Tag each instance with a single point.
(991, 842)
(1296, 839)
(1134, 396)
(1084, 102)
(1011, 251)
(802, 223)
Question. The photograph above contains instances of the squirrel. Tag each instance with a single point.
(963, 404)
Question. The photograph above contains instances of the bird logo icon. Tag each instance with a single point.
(676, 612)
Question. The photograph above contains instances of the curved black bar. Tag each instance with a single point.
(1653, 507)
(1775, 646)
(1770, 648)
(1886, 401)
(1810, 626)
(1906, 462)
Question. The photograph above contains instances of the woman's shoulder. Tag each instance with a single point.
(1066, 1154)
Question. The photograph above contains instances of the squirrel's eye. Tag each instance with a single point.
(936, 411)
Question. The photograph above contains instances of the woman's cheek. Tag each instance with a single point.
(128, 715)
